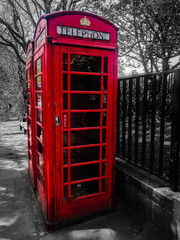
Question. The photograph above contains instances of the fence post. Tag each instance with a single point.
(174, 164)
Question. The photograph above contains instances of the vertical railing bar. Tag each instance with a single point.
(118, 120)
(153, 123)
(176, 167)
(176, 133)
(130, 121)
(172, 140)
(162, 122)
(136, 121)
(143, 160)
(124, 119)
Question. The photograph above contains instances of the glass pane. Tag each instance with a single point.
(85, 101)
(65, 174)
(85, 83)
(27, 75)
(65, 59)
(85, 119)
(40, 179)
(84, 172)
(39, 147)
(28, 85)
(38, 66)
(65, 157)
(103, 185)
(65, 139)
(29, 156)
(104, 118)
(39, 133)
(29, 134)
(66, 192)
(39, 100)
(84, 137)
(83, 189)
(39, 116)
(40, 163)
(38, 81)
(65, 101)
(105, 101)
(29, 111)
(84, 154)
(29, 145)
(103, 169)
(104, 152)
(28, 98)
(105, 65)
(84, 63)
(104, 135)
(65, 81)
(105, 83)
(29, 123)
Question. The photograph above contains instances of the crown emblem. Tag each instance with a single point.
(85, 22)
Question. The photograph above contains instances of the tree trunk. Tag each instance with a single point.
(165, 64)
(22, 82)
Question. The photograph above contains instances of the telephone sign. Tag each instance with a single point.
(84, 33)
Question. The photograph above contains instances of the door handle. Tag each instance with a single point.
(57, 121)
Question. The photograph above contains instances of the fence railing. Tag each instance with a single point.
(148, 123)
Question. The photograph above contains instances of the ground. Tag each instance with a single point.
(21, 220)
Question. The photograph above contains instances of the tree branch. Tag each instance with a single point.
(10, 44)
(39, 5)
(175, 66)
(27, 11)
(11, 29)
(73, 2)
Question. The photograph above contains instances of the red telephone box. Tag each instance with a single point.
(74, 92)
(30, 112)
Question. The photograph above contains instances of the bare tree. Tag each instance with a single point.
(18, 19)
(17, 23)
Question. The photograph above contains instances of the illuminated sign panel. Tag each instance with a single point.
(40, 37)
(29, 54)
(83, 33)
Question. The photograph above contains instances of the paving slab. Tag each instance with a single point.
(20, 218)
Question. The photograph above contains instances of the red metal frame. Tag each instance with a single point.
(30, 115)
(39, 107)
(64, 210)
(57, 204)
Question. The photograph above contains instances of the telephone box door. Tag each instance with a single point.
(84, 92)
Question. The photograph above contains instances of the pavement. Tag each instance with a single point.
(20, 218)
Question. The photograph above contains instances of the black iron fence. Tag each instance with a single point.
(148, 123)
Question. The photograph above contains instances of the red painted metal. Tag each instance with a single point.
(73, 114)
(30, 115)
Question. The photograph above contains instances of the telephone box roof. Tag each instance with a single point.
(63, 13)
(29, 42)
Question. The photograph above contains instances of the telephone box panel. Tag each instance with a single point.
(75, 73)
(30, 116)
(84, 137)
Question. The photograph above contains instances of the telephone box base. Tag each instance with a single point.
(31, 183)
(52, 226)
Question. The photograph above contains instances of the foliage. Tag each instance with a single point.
(17, 23)
(18, 19)
(11, 97)
(149, 33)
